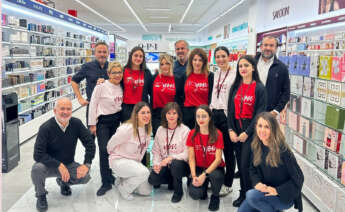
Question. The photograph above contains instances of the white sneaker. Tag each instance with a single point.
(225, 190)
(124, 194)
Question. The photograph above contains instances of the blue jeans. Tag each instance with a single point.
(257, 201)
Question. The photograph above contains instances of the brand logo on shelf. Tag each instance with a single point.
(281, 12)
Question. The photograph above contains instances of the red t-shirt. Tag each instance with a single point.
(205, 153)
(133, 81)
(248, 93)
(196, 90)
(163, 91)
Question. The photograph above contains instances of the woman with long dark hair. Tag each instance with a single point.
(276, 177)
(198, 85)
(137, 82)
(126, 149)
(165, 88)
(223, 80)
(205, 148)
(247, 98)
(170, 153)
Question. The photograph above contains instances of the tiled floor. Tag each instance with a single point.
(18, 192)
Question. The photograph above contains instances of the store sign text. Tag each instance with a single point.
(281, 12)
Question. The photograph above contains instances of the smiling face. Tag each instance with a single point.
(164, 66)
(268, 47)
(181, 51)
(144, 116)
(222, 59)
(101, 54)
(202, 118)
(197, 63)
(137, 59)
(115, 75)
(172, 117)
(63, 110)
(263, 130)
(245, 68)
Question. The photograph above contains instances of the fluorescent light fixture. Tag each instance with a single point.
(186, 11)
(43, 17)
(159, 17)
(100, 15)
(135, 15)
(158, 9)
(170, 28)
(223, 14)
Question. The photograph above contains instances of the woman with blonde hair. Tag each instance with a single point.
(126, 149)
(276, 177)
(165, 88)
(197, 86)
(104, 118)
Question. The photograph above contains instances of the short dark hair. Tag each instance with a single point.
(182, 41)
(129, 62)
(222, 48)
(167, 107)
(270, 37)
(101, 43)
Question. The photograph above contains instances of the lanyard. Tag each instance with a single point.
(167, 140)
(242, 100)
(219, 87)
(204, 149)
(142, 145)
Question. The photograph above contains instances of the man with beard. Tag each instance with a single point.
(274, 75)
(54, 153)
(180, 65)
(94, 72)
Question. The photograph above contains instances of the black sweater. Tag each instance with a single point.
(53, 146)
(259, 106)
(287, 178)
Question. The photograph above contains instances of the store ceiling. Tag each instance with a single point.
(155, 15)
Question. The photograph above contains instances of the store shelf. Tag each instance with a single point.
(312, 98)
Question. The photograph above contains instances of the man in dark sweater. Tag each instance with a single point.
(180, 65)
(54, 153)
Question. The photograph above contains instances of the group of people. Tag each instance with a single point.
(197, 119)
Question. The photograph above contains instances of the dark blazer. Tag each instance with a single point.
(277, 85)
(259, 106)
(147, 85)
(287, 178)
(210, 87)
(179, 90)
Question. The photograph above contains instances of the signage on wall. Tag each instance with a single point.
(281, 12)
(210, 38)
(150, 46)
(56, 14)
(240, 27)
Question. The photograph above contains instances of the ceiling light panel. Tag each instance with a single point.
(135, 15)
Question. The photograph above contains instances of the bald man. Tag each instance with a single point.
(54, 153)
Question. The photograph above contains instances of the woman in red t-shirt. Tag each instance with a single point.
(137, 82)
(205, 148)
(165, 88)
(197, 86)
(247, 98)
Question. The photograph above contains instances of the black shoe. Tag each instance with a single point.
(156, 186)
(176, 198)
(238, 202)
(237, 174)
(214, 203)
(64, 188)
(42, 204)
(103, 189)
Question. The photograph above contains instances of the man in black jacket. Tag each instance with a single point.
(54, 153)
(274, 75)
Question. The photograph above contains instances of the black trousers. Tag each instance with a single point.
(220, 122)
(126, 113)
(189, 116)
(243, 153)
(216, 178)
(105, 129)
(156, 120)
(171, 174)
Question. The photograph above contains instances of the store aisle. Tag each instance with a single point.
(18, 192)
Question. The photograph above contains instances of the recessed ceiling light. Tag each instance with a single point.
(100, 15)
(186, 11)
(135, 15)
(220, 16)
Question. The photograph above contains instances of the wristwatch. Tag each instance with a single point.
(206, 174)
